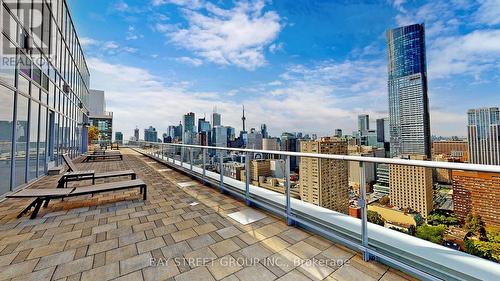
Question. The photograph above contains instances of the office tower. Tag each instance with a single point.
(270, 144)
(203, 125)
(119, 137)
(477, 193)
(383, 130)
(338, 133)
(99, 117)
(451, 148)
(220, 136)
(136, 134)
(171, 131)
(178, 132)
(363, 123)
(41, 130)
(483, 133)
(166, 138)
(254, 140)
(188, 126)
(231, 133)
(289, 142)
(216, 118)
(325, 182)
(263, 131)
(407, 84)
(150, 134)
(411, 187)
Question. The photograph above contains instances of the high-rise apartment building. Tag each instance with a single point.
(270, 144)
(203, 125)
(99, 117)
(119, 137)
(263, 131)
(408, 100)
(363, 123)
(254, 139)
(450, 148)
(411, 187)
(477, 193)
(44, 96)
(325, 182)
(219, 134)
(189, 128)
(483, 134)
(289, 142)
(150, 134)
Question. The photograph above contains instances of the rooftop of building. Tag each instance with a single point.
(118, 235)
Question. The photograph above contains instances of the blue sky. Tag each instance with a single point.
(309, 66)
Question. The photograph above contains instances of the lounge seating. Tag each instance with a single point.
(103, 155)
(74, 174)
(115, 146)
(43, 196)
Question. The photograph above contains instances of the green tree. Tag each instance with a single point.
(93, 134)
(475, 224)
(437, 219)
(375, 218)
(385, 200)
(431, 233)
(484, 249)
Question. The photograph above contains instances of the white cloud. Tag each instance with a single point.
(276, 47)
(191, 61)
(86, 41)
(236, 36)
(110, 45)
(488, 12)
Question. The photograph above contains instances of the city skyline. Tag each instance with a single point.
(335, 76)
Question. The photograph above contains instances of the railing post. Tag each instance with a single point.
(364, 213)
(289, 219)
(191, 160)
(247, 179)
(161, 145)
(204, 163)
(221, 162)
(182, 156)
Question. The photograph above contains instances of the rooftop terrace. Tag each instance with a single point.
(119, 236)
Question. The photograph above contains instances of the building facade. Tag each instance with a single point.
(44, 96)
(450, 148)
(150, 134)
(325, 182)
(119, 137)
(363, 123)
(136, 134)
(407, 84)
(477, 193)
(411, 187)
(100, 118)
(483, 134)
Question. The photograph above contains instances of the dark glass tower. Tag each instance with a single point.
(407, 84)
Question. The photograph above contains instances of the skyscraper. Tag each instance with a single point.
(363, 123)
(216, 119)
(325, 182)
(188, 125)
(263, 131)
(483, 133)
(150, 134)
(136, 134)
(243, 118)
(119, 137)
(203, 125)
(407, 84)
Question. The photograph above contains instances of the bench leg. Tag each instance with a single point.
(37, 208)
(46, 203)
(133, 177)
(27, 208)
(144, 194)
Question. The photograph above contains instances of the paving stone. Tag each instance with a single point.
(151, 244)
(304, 250)
(55, 259)
(200, 241)
(47, 250)
(73, 267)
(135, 263)
(40, 275)
(176, 250)
(197, 274)
(223, 267)
(228, 232)
(103, 246)
(255, 273)
(121, 253)
(200, 257)
(183, 234)
(160, 272)
(204, 228)
(131, 238)
(275, 244)
(350, 273)
(18, 269)
(134, 276)
(102, 273)
(224, 247)
(294, 275)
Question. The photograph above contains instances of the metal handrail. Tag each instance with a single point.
(293, 218)
(378, 160)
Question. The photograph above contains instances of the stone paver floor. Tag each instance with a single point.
(118, 236)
